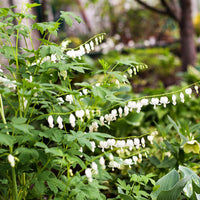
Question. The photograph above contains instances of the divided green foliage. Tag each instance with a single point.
(70, 129)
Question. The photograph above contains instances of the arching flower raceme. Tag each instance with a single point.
(50, 121)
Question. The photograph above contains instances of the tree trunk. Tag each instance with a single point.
(188, 49)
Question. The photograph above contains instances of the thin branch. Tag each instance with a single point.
(177, 9)
(163, 12)
(172, 9)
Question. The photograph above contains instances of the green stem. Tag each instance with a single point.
(15, 194)
(14, 187)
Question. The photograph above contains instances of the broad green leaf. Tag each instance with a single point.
(193, 182)
(173, 193)
(126, 197)
(165, 183)
(197, 196)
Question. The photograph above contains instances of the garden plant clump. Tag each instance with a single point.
(62, 138)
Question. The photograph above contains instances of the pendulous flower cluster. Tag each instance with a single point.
(85, 48)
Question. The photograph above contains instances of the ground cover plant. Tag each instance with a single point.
(69, 131)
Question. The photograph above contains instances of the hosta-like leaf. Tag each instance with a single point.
(166, 183)
(173, 193)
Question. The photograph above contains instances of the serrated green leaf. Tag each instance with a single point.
(39, 187)
(41, 144)
(52, 186)
(55, 151)
(6, 140)
(32, 5)
(18, 120)
(60, 184)
(23, 127)
(67, 16)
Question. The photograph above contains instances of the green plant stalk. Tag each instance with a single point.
(14, 188)
(15, 192)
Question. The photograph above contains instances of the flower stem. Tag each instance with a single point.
(15, 193)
